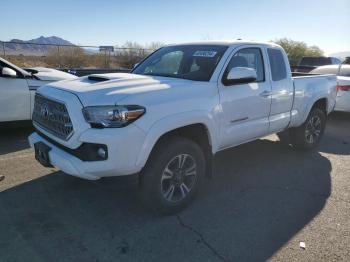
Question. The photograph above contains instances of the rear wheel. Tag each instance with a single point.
(172, 176)
(309, 134)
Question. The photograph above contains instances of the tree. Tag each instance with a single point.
(154, 45)
(132, 53)
(66, 57)
(297, 49)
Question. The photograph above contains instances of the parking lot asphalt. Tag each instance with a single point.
(263, 200)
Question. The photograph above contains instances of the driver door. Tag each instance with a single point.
(245, 106)
(14, 97)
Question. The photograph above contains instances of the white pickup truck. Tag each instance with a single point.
(18, 86)
(181, 105)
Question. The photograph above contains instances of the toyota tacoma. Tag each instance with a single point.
(168, 117)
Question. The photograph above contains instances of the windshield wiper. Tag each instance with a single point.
(164, 75)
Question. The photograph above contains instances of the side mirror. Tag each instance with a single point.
(8, 72)
(240, 75)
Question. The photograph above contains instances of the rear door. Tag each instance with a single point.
(14, 97)
(245, 107)
(282, 90)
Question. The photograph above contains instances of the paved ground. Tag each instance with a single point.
(264, 199)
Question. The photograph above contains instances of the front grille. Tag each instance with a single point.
(52, 116)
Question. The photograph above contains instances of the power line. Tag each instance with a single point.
(72, 45)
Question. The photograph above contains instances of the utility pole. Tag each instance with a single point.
(58, 56)
(3, 47)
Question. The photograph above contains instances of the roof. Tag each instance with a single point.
(226, 43)
(333, 66)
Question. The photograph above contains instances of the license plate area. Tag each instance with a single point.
(42, 154)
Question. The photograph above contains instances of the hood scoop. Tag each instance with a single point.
(98, 78)
(115, 76)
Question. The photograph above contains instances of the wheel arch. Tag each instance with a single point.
(197, 132)
(320, 102)
(200, 131)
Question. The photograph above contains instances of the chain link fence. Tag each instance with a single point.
(72, 57)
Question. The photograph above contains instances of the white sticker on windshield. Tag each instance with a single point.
(205, 53)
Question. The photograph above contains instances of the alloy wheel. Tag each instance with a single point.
(313, 129)
(178, 178)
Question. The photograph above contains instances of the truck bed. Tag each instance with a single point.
(307, 86)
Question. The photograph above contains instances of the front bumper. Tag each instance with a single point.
(123, 144)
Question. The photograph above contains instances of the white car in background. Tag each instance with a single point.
(18, 86)
(343, 85)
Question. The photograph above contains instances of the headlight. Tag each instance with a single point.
(112, 116)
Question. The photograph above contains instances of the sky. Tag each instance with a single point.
(316, 22)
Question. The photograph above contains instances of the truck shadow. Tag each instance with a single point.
(336, 139)
(261, 195)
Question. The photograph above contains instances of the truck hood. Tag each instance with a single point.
(49, 74)
(109, 89)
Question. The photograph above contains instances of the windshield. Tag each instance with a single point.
(193, 62)
(315, 61)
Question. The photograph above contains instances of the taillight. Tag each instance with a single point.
(343, 87)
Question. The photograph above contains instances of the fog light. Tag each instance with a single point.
(101, 152)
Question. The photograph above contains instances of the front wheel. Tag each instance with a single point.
(172, 175)
(309, 134)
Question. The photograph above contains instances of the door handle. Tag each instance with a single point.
(266, 93)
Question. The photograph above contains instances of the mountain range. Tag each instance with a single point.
(35, 46)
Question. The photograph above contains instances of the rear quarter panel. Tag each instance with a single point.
(308, 90)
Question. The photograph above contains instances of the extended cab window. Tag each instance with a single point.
(193, 62)
(248, 57)
(277, 63)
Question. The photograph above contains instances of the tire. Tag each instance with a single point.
(166, 187)
(309, 134)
